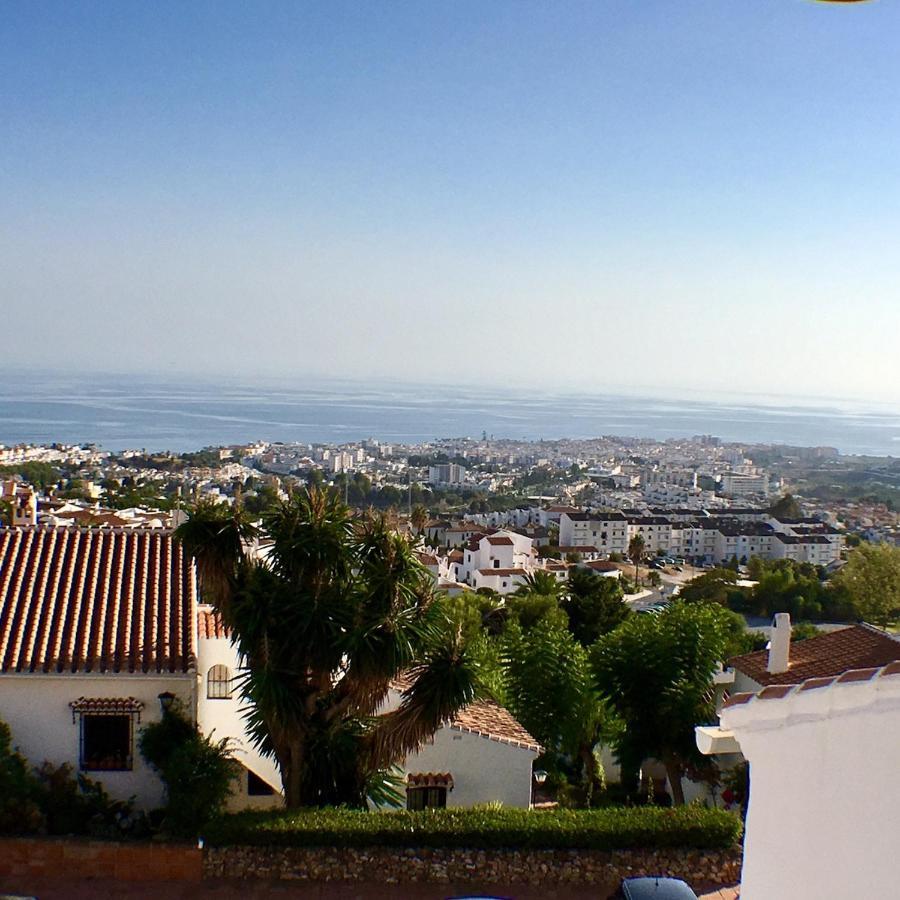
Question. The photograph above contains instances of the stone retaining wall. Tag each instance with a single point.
(603, 869)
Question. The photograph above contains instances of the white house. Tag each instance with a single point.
(824, 814)
(100, 627)
(95, 625)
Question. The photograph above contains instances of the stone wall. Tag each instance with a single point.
(603, 869)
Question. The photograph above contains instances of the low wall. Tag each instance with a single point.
(75, 859)
(604, 869)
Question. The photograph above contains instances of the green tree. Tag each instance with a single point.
(871, 582)
(636, 549)
(786, 507)
(340, 610)
(418, 518)
(550, 689)
(595, 605)
(656, 673)
(716, 585)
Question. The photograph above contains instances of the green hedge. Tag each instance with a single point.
(613, 828)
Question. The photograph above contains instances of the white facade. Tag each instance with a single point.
(44, 727)
(824, 813)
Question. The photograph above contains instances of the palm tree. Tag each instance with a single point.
(418, 518)
(338, 612)
(636, 554)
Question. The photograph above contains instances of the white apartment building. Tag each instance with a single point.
(449, 473)
(608, 532)
(739, 485)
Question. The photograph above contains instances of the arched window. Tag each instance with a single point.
(218, 683)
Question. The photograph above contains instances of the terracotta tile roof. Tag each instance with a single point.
(824, 656)
(504, 572)
(209, 624)
(430, 779)
(489, 719)
(500, 541)
(89, 600)
(486, 718)
(780, 691)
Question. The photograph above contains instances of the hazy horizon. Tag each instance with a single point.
(598, 197)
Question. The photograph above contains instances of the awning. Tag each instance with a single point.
(107, 706)
(430, 780)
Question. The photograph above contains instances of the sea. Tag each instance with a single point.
(182, 413)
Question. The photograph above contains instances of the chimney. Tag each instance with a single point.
(780, 644)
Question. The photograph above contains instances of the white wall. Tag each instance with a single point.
(483, 770)
(824, 813)
(36, 708)
(224, 718)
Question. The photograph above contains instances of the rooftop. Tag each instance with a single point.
(824, 656)
(91, 600)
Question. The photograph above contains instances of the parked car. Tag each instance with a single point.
(655, 889)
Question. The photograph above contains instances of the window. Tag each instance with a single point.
(419, 798)
(218, 683)
(496, 563)
(106, 743)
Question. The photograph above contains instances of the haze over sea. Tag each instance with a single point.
(189, 412)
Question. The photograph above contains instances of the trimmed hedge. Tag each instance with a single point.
(613, 828)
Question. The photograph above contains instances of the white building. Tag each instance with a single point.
(99, 627)
(824, 813)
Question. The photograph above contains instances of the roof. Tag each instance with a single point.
(499, 541)
(815, 697)
(504, 572)
(824, 656)
(89, 600)
(489, 719)
(209, 624)
(486, 718)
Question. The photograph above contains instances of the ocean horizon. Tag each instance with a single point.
(182, 413)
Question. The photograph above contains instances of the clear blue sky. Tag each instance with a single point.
(703, 193)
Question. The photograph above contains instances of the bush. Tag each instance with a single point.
(52, 799)
(19, 810)
(197, 771)
(602, 829)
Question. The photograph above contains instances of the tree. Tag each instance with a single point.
(716, 586)
(871, 581)
(636, 547)
(786, 507)
(549, 688)
(339, 610)
(594, 604)
(656, 673)
(654, 579)
(418, 518)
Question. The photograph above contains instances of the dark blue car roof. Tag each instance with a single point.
(656, 889)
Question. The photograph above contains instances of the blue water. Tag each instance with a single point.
(181, 414)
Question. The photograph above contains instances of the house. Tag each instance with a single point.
(95, 626)
(483, 755)
(100, 629)
(824, 810)
(826, 655)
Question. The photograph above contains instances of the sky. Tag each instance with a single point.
(591, 195)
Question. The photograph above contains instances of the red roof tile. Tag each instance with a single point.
(489, 719)
(500, 541)
(823, 656)
(89, 600)
(209, 624)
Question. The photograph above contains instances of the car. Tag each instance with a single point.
(653, 888)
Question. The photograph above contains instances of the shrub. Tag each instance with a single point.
(600, 829)
(19, 810)
(52, 799)
(197, 771)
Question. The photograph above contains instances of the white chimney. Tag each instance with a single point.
(780, 644)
